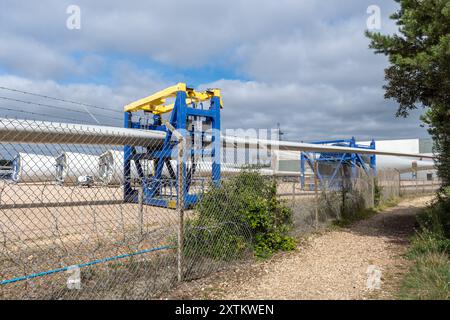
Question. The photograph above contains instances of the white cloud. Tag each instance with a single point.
(112, 98)
(183, 33)
(306, 63)
(314, 111)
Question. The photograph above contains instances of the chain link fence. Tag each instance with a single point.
(75, 225)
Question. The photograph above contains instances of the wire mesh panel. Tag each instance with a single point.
(389, 184)
(64, 221)
(76, 224)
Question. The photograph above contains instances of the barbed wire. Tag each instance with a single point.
(110, 109)
(37, 114)
(58, 108)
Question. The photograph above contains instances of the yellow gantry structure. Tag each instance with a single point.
(156, 103)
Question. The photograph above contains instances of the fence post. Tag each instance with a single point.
(180, 210)
(141, 209)
(293, 192)
(180, 203)
(372, 190)
(316, 192)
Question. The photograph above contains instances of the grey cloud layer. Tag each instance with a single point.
(314, 112)
(306, 62)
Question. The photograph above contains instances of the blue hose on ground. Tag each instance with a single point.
(86, 264)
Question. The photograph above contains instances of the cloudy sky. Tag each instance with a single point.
(302, 63)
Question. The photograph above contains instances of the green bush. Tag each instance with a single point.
(427, 242)
(436, 218)
(242, 214)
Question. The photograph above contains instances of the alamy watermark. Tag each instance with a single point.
(73, 22)
(74, 279)
(373, 277)
(373, 22)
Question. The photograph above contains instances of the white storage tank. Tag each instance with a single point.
(71, 165)
(33, 168)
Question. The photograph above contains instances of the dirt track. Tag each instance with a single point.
(332, 265)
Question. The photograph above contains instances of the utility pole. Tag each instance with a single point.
(280, 133)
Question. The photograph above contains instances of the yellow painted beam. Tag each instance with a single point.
(155, 98)
(167, 108)
(202, 96)
(155, 102)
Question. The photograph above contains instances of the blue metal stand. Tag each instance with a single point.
(162, 191)
(346, 163)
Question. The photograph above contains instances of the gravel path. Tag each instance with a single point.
(332, 265)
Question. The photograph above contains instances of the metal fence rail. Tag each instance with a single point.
(67, 230)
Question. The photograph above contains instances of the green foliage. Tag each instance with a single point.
(428, 279)
(378, 191)
(446, 192)
(428, 242)
(436, 218)
(419, 76)
(241, 214)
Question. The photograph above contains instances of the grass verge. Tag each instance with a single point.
(429, 276)
(427, 279)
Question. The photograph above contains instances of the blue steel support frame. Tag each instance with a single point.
(353, 160)
(127, 150)
(353, 157)
(152, 186)
(215, 109)
(373, 158)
